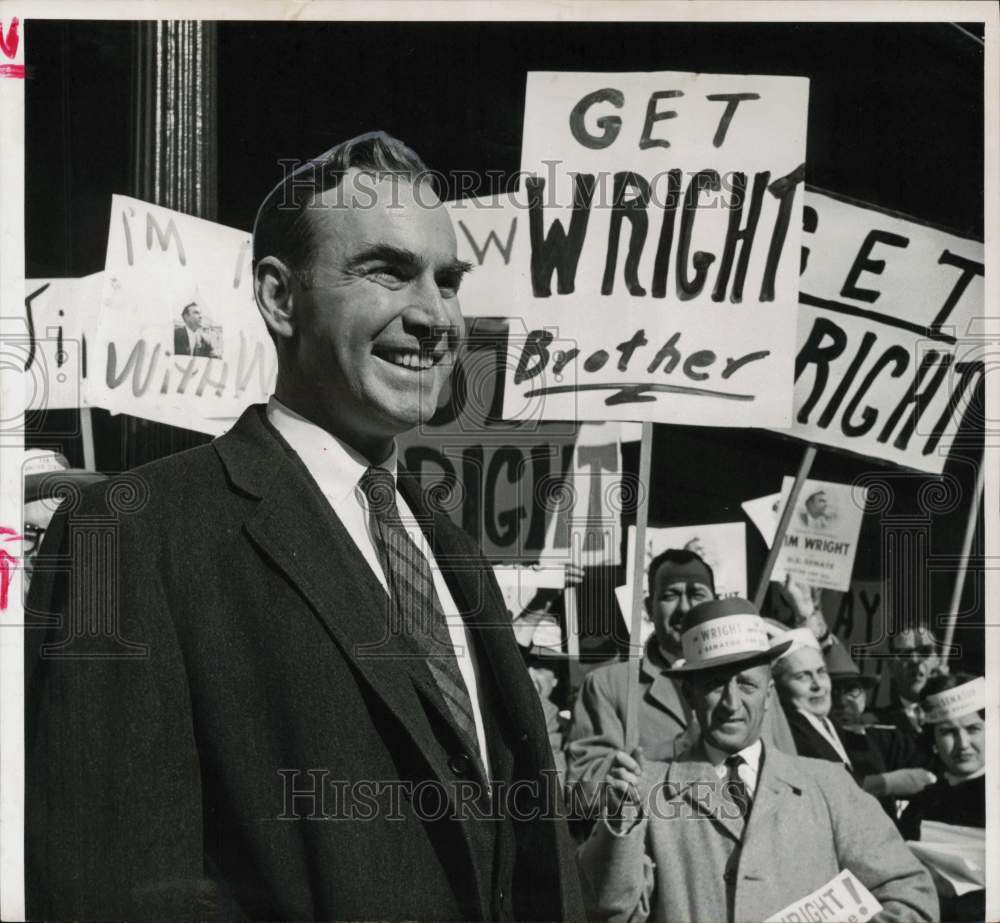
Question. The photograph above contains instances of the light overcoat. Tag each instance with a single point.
(667, 726)
(690, 859)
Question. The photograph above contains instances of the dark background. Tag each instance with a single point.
(895, 119)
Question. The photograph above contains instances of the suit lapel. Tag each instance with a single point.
(663, 690)
(696, 782)
(485, 618)
(777, 782)
(819, 745)
(289, 525)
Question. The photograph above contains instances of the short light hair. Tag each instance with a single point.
(282, 229)
(781, 666)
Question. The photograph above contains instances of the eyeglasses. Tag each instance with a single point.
(32, 538)
(848, 692)
(921, 653)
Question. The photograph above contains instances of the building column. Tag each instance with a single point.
(174, 161)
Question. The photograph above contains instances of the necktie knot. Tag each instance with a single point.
(736, 788)
(379, 488)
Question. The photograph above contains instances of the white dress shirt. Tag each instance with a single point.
(913, 712)
(337, 469)
(748, 770)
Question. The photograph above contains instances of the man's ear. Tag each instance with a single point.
(272, 287)
(647, 602)
(770, 692)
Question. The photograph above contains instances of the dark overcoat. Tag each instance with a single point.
(216, 726)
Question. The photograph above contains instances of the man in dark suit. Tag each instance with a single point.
(189, 337)
(915, 658)
(317, 709)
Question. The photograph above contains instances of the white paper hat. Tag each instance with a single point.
(954, 703)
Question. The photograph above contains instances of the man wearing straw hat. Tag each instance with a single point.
(678, 580)
(736, 830)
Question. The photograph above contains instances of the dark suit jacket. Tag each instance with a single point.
(875, 751)
(252, 760)
(894, 714)
(181, 347)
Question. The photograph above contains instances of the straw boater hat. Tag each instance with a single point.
(721, 632)
(957, 702)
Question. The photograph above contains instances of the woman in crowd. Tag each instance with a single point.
(957, 732)
(954, 708)
(876, 757)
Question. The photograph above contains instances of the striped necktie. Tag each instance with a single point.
(417, 610)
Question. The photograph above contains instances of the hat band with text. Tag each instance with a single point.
(955, 703)
(724, 636)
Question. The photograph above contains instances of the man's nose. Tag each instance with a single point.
(428, 312)
(963, 739)
(426, 300)
(730, 697)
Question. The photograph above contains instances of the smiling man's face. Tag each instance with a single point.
(377, 318)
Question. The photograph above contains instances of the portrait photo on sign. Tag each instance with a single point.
(194, 334)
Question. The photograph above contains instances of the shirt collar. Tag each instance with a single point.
(335, 466)
(814, 720)
(750, 754)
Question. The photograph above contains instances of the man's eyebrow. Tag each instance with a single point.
(460, 267)
(386, 253)
(404, 257)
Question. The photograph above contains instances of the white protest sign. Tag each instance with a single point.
(61, 314)
(586, 507)
(721, 545)
(663, 225)
(525, 492)
(179, 336)
(891, 344)
(843, 899)
(822, 536)
(520, 585)
(764, 513)
(954, 855)
(491, 233)
(623, 596)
